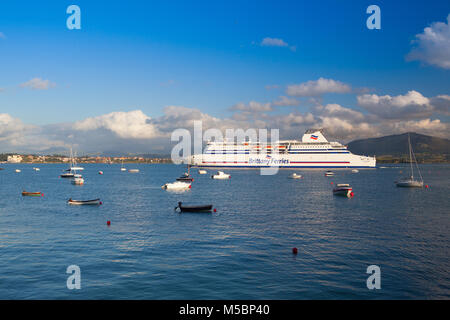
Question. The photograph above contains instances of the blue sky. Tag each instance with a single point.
(205, 55)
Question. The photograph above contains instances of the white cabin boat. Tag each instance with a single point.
(221, 175)
(202, 171)
(177, 185)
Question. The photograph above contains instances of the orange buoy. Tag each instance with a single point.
(294, 250)
(108, 223)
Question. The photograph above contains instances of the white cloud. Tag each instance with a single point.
(252, 106)
(286, 101)
(441, 104)
(38, 84)
(433, 45)
(276, 42)
(133, 124)
(408, 106)
(273, 42)
(318, 87)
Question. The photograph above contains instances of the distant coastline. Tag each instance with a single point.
(51, 159)
(37, 159)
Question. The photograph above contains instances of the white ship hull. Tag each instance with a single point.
(283, 154)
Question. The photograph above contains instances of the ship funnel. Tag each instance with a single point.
(314, 135)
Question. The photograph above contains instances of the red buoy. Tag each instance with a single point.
(352, 194)
(101, 202)
(426, 186)
(294, 250)
(42, 194)
(190, 187)
(108, 223)
(331, 182)
(215, 210)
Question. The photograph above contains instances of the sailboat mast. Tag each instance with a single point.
(410, 157)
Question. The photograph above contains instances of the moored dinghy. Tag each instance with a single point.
(343, 190)
(198, 208)
(32, 194)
(133, 170)
(295, 176)
(94, 202)
(202, 171)
(329, 173)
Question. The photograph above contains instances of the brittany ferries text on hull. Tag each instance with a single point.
(314, 151)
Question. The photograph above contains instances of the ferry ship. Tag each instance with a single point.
(313, 151)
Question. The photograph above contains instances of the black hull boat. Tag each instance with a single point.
(67, 175)
(199, 208)
(94, 202)
(185, 179)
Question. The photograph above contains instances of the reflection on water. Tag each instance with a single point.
(243, 251)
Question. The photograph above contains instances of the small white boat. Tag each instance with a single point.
(355, 170)
(329, 173)
(36, 169)
(343, 190)
(295, 176)
(78, 181)
(177, 185)
(411, 182)
(133, 170)
(221, 175)
(122, 168)
(18, 170)
(202, 171)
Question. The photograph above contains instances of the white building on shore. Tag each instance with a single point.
(14, 159)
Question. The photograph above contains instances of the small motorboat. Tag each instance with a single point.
(343, 190)
(202, 172)
(221, 175)
(295, 176)
(36, 169)
(198, 208)
(133, 170)
(32, 194)
(355, 171)
(18, 170)
(178, 185)
(329, 173)
(78, 181)
(94, 202)
(100, 172)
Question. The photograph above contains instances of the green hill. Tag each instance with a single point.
(394, 148)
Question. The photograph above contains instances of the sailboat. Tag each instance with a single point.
(186, 176)
(71, 172)
(122, 168)
(411, 182)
